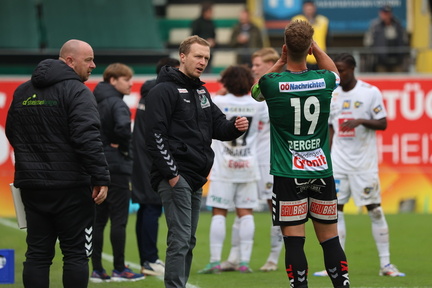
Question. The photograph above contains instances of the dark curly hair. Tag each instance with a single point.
(346, 58)
(237, 79)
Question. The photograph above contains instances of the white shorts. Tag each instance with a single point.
(265, 184)
(226, 195)
(363, 187)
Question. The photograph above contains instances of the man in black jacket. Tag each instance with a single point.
(205, 27)
(388, 41)
(181, 122)
(53, 126)
(150, 205)
(116, 138)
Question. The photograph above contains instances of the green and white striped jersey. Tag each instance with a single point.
(299, 108)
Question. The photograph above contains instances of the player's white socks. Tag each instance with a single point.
(234, 255)
(246, 234)
(380, 233)
(277, 243)
(341, 229)
(217, 237)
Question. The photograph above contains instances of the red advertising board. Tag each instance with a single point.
(405, 148)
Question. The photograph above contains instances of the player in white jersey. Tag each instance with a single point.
(262, 60)
(357, 111)
(235, 171)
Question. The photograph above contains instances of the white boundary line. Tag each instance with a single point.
(108, 257)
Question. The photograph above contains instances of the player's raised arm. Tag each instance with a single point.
(323, 60)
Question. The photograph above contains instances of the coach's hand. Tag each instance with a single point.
(99, 194)
(241, 123)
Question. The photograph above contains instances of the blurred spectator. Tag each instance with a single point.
(204, 27)
(246, 36)
(320, 25)
(386, 34)
(160, 7)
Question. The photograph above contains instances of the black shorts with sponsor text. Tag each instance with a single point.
(295, 200)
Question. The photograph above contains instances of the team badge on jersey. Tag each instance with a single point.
(357, 104)
(346, 104)
(205, 103)
(377, 109)
(367, 190)
(269, 185)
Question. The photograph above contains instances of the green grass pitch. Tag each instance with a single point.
(410, 238)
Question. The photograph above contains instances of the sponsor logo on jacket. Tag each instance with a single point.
(33, 101)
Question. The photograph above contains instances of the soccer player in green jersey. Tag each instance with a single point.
(298, 100)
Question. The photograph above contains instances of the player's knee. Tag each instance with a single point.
(376, 213)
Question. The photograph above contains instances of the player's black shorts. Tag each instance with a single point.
(296, 199)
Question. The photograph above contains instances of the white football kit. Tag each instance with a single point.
(354, 153)
(236, 161)
(265, 184)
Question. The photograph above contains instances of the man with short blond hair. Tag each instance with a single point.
(298, 100)
(181, 122)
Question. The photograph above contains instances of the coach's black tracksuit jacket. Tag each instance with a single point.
(53, 125)
(181, 121)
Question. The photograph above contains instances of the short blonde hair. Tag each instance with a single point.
(117, 70)
(185, 45)
(298, 38)
(267, 54)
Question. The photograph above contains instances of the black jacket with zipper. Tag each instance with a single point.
(53, 125)
(142, 190)
(181, 121)
(115, 118)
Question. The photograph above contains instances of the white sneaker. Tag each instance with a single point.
(322, 273)
(154, 269)
(269, 266)
(229, 266)
(391, 270)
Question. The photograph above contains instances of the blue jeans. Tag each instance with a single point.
(147, 227)
(182, 208)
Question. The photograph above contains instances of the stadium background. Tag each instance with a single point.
(111, 27)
